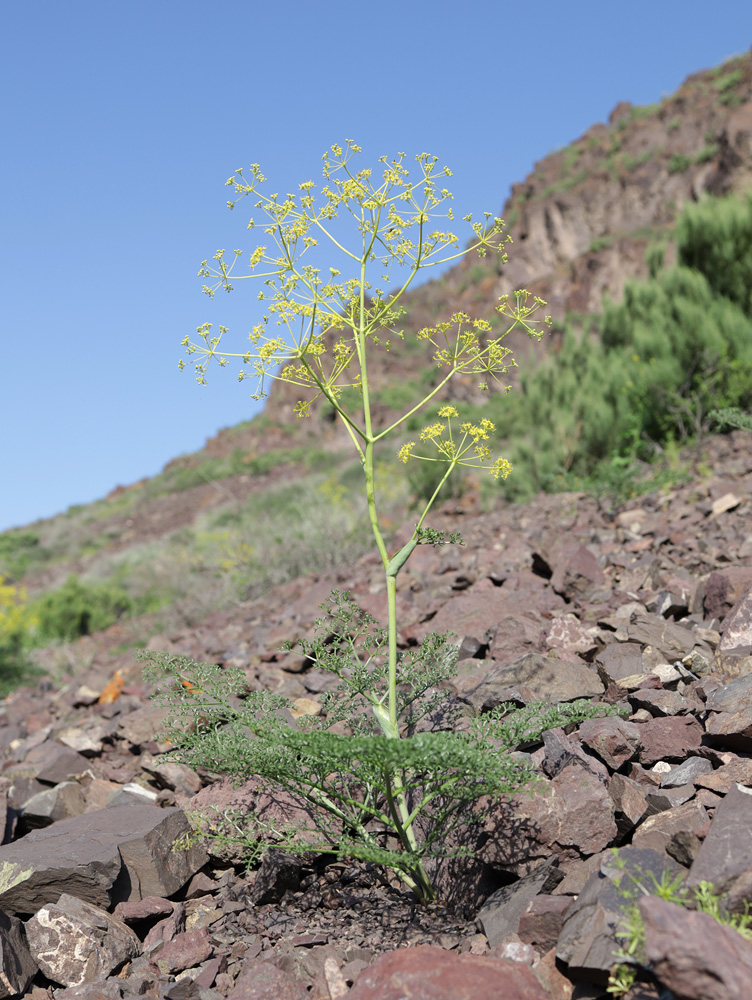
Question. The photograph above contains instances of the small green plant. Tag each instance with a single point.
(376, 792)
(707, 153)
(392, 800)
(731, 418)
(679, 163)
(673, 125)
(701, 897)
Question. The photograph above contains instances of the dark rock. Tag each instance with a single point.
(693, 955)
(279, 872)
(560, 751)
(730, 721)
(572, 817)
(725, 857)
(577, 575)
(121, 853)
(619, 660)
(429, 973)
(686, 773)
(143, 909)
(17, 967)
(74, 942)
(725, 588)
(499, 917)
(587, 943)
(725, 777)
(630, 803)
(549, 679)
(737, 625)
(656, 832)
(541, 923)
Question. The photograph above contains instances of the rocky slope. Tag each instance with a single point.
(648, 606)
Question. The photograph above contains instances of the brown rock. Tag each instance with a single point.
(86, 854)
(429, 973)
(577, 574)
(588, 943)
(574, 817)
(264, 981)
(725, 777)
(74, 942)
(184, 951)
(614, 740)
(655, 832)
(542, 921)
(737, 625)
(726, 853)
(693, 955)
(549, 679)
(724, 589)
(669, 739)
(17, 967)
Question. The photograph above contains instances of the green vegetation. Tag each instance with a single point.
(353, 784)
(702, 898)
(678, 348)
(632, 163)
(673, 125)
(679, 163)
(413, 785)
(706, 153)
(17, 623)
(79, 608)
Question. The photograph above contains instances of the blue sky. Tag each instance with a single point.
(121, 122)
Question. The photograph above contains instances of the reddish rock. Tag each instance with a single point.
(577, 574)
(669, 738)
(429, 973)
(184, 951)
(614, 740)
(143, 909)
(694, 956)
(572, 817)
(542, 921)
(726, 853)
(736, 630)
(724, 589)
(264, 981)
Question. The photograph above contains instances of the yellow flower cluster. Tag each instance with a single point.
(468, 450)
(15, 617)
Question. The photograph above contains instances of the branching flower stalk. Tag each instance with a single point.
(317, 331)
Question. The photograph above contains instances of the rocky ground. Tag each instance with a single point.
(649, 606)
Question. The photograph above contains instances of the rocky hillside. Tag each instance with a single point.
(581, 224)
(649, 608)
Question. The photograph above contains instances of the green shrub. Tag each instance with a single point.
(78, 608)
(17, 550)
(679, 163)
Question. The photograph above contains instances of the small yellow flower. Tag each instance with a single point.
(405, 452)
(500, 469)
(448, 411)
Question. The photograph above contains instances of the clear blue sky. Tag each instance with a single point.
(121, 121)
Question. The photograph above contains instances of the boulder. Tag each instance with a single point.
(125, 852)
(694, 956)
(430, 973)
(74, 942)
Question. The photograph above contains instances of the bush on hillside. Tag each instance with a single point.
(79, 608)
